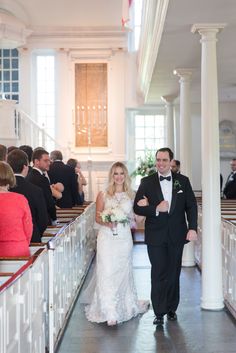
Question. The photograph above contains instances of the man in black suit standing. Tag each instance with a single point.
(37, 177)
(165, 199)
(63, 173)
(18, 160)
(175, 166)
(230, 185)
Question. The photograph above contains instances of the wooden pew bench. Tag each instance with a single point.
(12, 264)
(5, 276)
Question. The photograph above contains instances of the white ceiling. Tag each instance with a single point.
(62, 13)
(179, 48)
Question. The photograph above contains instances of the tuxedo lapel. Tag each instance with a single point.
(174, 194)
(157, 187)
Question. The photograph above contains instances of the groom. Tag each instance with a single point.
(166, 199)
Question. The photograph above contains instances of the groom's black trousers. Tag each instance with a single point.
(166, 262)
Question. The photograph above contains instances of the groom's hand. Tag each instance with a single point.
(163, 206)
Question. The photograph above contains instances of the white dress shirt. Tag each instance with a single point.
(166, 188)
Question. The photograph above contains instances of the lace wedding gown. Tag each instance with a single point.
(111, 293)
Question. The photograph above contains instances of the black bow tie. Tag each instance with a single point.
(165, 178)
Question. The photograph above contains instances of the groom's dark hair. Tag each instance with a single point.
(166, 149)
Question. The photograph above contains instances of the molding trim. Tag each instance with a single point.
(152, 28)
(78, 37)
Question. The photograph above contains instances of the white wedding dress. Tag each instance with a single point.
(111, 293)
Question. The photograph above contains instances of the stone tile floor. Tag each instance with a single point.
(196, 331)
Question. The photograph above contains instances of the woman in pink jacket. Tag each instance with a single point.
(15, 217)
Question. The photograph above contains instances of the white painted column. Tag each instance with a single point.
(25, 81)
(185, 142)
(7, 122)
(185, 121)
(64, 120)
(212, 293)
(170, 120)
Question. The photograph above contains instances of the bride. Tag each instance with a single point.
(114, 298)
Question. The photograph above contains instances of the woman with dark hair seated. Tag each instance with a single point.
(15, 217)
(73, 163)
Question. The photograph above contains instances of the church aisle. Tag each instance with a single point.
(196, 331)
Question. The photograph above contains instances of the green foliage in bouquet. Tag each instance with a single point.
(146, 165)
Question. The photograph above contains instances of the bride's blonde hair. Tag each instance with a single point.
(127, 182)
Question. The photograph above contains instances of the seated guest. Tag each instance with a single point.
(221, 182)
(18, 160)
(230, 186)
(57, 190)
(3, 153)
(15, 217)
(81, 181)
(175, 166)
(29, 151)
(11, 148)
(62, 173)
(37, 177)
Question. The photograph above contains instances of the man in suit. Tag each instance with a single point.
(230, 186)
(175, 166)
(38, 177)
(165, 199)
(62, 173)
(18, 160)
(29, 151)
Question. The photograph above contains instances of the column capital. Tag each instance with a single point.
(207, 28)
(169, 99)
(184, 74)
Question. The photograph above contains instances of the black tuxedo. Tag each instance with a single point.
(165, 235)
(230, 187)
(36, 178)
(63, 173)
(37, 206)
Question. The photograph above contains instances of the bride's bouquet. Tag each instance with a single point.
(115, 215)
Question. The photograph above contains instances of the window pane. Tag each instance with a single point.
(6, 87)
(139, 120)
(139, 132)
(140, 144)
(6, 63)
(14, 53)
(149, 132)
(151, 145)
(6, 75)
(149, 120)
(14, 76)
(139, 154)
(15, 87)
(15, 97)
(15, 63)
(6, 53)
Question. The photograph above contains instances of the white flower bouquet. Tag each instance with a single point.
(114, 215)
